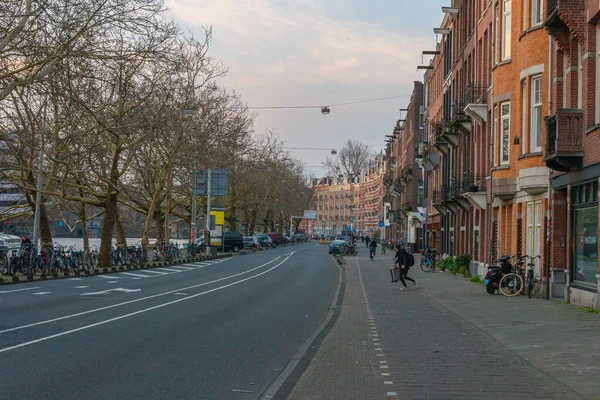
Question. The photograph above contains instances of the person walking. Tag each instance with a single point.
(372, 248)
(405, 260)
(367, 241)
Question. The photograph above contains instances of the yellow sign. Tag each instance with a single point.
(219, 217)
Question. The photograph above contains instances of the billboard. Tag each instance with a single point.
(310, 214)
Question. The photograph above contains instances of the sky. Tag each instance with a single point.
(319, 52)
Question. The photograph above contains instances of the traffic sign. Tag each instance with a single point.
(219, 182)
(381, 224)
(351, 220)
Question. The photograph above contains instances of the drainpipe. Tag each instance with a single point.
(549, 210)
(491, 129)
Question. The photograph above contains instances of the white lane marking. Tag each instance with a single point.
(137, 275)
(168, 270)
(80, 287)
(379, 355)
(108, 277)
(134, 300)
(112, 290)
(377, 348)
(380, 367)
(145, 310)
(113, 282)
(181, 294)
(178, 267)
(155, 272)
(382, 362)
(388, 382)
(74, 279)
(40, 293)
(392, 394)
(20, 290)
(385, 374)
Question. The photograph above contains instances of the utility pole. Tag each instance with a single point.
(208, 207)
(194, 206)
(38, 194)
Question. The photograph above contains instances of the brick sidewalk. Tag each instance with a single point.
(448, 339)
(345, 366)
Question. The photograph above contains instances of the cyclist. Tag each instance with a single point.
(367, 240)
(25, 240)
(372, 248)
(403, 259)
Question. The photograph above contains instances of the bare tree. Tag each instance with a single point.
(352, 159)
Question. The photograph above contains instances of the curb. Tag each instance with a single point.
(113, 269)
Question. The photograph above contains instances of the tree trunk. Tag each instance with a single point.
(121, 239)
(160, 228)
(149, 218)
(45, 233)
(110, 215)
(84, 228)
(252, 224)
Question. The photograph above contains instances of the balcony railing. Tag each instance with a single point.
(458, 111)
(474, 94)
(551, 134)
(473, 182)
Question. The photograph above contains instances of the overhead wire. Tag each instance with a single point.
(325, 105)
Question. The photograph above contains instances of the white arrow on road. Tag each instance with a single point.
(122, 290)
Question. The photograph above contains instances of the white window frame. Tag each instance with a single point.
(496, 141)
(535, 132)
(504, 136)
(506, 33)
(534, 233)
(524, 116)
(536, 10)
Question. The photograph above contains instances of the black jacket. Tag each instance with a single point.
(401, 257)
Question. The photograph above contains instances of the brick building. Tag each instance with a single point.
(344, 201)
(406, 188)
(572, 146)
(520, 100)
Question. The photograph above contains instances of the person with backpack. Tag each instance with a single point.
(372, 248)
(405, 260)
(367, 241)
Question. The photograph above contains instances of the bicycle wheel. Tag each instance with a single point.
(425, 266)
(529, 284)
(511, 284)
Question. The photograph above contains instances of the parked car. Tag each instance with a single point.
(251, 242)
(233, 241)
(264, 240)
(277, 237)
(334, 247)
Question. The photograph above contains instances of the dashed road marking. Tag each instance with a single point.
(136, 275)
(19, 290)
(168, 270)
(113, 282)
(40, 293)
(156, 272)
(80, 287)
(388, 382)
(108, 277)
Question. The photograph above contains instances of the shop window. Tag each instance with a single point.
(585, 234)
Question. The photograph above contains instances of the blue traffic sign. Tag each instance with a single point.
(381, 224)
(351, 220)
(371, 230)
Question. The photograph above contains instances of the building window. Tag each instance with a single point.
(420, 194)
(534, 233)
(421, 116)
(496, 147)
(536, 12)
(506, 28)
(536, 114)
(584, 199)
(505, 132)
(523, 116)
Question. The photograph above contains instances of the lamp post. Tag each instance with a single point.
(188, 114)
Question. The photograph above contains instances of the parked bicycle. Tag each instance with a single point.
(511, 283)
(529, 277)
(429, 259)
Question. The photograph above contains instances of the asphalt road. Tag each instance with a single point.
(220, 329)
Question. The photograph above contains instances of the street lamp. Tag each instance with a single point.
(188, 113)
